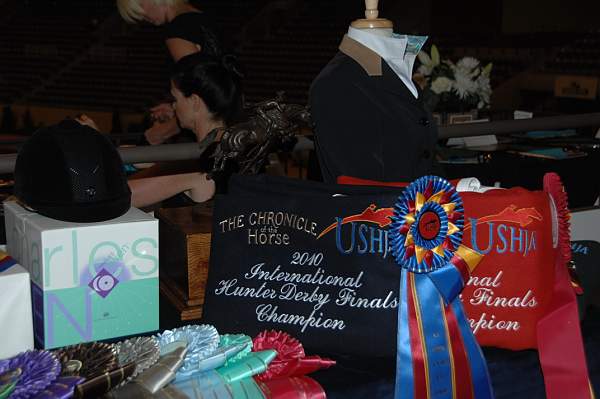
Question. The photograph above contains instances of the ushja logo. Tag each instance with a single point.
(381, 217)
(366, 233)
(502, 237)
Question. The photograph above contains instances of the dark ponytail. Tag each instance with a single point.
(217, 80)
(231, 63)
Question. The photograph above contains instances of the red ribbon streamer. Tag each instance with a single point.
(462, 267)
(462, 379)
(560, 345)
(415, 343)
(292, 388)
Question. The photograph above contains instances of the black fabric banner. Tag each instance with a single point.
(306, 258)
(586, 255)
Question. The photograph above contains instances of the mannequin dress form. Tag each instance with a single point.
(369, 121)
(372, 22)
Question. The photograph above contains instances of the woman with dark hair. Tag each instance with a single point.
(208, 97)
(207, 91)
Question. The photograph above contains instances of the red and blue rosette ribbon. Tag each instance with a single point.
(437, 354)
(6, 261)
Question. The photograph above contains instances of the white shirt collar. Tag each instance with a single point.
(393, 50)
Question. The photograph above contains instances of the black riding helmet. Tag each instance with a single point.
(73, 173)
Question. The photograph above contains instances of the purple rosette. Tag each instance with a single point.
(39, 368)
(61, 388)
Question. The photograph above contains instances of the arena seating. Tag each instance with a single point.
(34, 48)
(292, 55)
(95, 62)
(580, 56)
(84, 55)
(127, 70)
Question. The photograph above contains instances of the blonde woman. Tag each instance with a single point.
(187, 31)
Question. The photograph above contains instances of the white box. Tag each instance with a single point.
(91, 281)
(585, 224)
(15, 312)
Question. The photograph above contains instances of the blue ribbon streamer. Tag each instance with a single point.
(404, 367)
(209, 383)
(6, 263)
(434, 334)
(437, 284)
(448, 282)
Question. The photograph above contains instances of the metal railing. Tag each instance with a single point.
(520, 125)
(174, 152)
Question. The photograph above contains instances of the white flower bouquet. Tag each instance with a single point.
(453, 87)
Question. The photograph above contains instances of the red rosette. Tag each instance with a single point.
(287, 347)
(291, 360)
(554, 187)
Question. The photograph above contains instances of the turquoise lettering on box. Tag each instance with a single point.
(79, 314)
(143, 255)
(48, 254)
(75, 260)
(36, 269)
(94, 263)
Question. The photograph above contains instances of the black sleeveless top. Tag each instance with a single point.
(197, 28)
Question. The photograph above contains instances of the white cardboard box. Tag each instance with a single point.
(585, 224)
(91, 281)
(15, 312)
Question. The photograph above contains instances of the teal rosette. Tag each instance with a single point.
(234, 341)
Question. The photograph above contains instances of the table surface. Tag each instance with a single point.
(515, 374)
